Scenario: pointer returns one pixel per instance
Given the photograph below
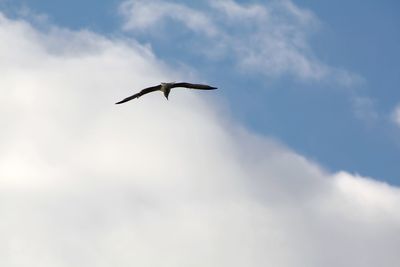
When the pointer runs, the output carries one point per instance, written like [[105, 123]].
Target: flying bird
[[166, 89]]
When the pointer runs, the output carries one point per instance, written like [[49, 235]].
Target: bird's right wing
[[143, 92], [194, 86]]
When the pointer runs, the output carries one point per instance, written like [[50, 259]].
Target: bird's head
[[166, 83]]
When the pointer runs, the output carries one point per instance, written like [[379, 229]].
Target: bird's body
[[166, 89]]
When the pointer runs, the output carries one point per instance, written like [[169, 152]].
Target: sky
[[293, 161]]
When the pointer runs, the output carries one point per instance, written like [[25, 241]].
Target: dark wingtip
[[122, 101]]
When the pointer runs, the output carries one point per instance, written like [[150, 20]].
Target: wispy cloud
[[396, 115], [365, 110], [271, 39], [141, 15], [154, 183]]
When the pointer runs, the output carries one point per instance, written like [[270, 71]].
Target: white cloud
[[160, 183], [271, 39]]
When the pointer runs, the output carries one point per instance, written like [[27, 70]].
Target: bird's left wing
[[143, 92], [194, 86]]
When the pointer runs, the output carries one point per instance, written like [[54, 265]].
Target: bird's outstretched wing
[[194, 86], [143, 92]]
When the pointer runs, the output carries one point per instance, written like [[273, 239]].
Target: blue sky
[[304, 128], [317, 119]]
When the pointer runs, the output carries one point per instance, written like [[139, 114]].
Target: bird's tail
[[166, 93]]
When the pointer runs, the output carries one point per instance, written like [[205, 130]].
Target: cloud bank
[[271, 39], [160, 183]]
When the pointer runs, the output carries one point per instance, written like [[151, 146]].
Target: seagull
[[166, 89]]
